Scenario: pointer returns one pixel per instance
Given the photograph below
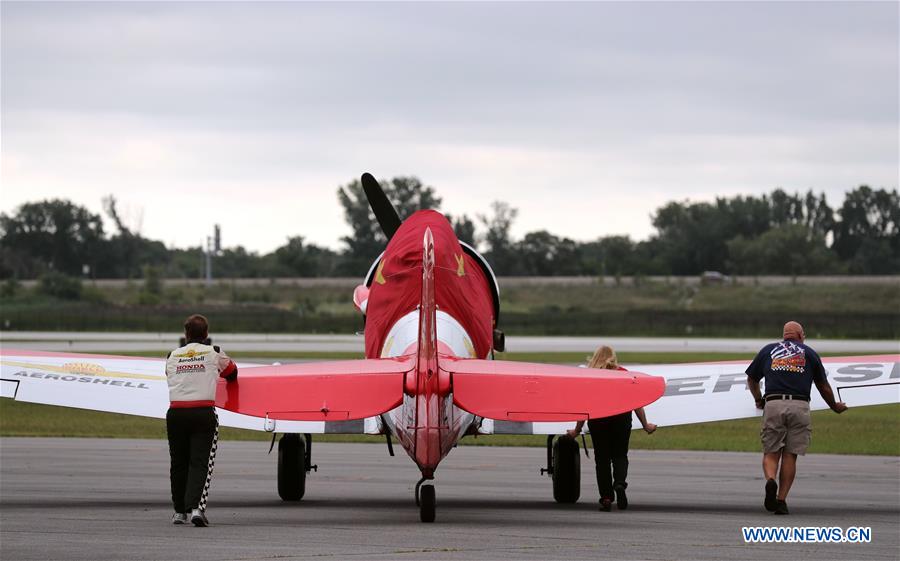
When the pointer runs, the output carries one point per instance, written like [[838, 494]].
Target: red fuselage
[[428, 299]]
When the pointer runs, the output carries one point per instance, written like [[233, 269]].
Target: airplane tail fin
[[428, 345]]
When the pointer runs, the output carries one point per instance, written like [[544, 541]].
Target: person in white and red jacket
[[191, 422]]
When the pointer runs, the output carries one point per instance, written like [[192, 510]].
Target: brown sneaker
[[606, 504]]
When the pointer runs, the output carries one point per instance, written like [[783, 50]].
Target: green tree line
[[777, 233]]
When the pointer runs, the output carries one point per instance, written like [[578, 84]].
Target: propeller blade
[[384, 211]]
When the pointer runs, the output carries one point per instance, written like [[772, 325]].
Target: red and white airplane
[[431, 305]]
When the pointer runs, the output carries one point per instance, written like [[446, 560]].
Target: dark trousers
[[193, 436], [610, 436]]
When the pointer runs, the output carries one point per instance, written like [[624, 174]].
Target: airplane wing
[[717, 391], [137, 386], [523, 391], [696, 393]]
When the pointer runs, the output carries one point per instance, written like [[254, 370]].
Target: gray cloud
[[564, 109]]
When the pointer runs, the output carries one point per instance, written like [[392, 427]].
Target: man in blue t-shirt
[[790, 369]]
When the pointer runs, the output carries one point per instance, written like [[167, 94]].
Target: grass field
[[867, 430], [672, 307], [673, 294]]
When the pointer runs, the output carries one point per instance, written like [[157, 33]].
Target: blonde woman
[[610, 436]]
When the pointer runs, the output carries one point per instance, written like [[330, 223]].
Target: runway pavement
[[86, 342], [95, 499]]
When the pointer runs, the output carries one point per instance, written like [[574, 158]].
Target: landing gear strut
[[425, 500]]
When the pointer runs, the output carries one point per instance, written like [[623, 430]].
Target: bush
[[9, 288], [94, 295], [60, 286], [152, 281], [148, 298]]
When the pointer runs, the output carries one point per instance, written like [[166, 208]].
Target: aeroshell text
[[83, 379]]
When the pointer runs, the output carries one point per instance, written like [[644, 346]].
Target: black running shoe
[[605, 504], [771, 502], [621, 497], [781, 508]]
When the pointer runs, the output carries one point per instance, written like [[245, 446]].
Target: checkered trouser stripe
[[209, 467]]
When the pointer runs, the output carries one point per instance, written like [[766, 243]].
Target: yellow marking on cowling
[[66, 369], [387, 347], [460, 265], [379, 278], [469, 347]]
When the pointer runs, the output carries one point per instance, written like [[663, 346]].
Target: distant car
[[714, 277]]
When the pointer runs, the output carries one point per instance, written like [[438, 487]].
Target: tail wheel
[[427, 503], [566, 470], [291, 467]]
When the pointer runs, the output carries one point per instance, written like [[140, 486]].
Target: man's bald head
[[793, 330]]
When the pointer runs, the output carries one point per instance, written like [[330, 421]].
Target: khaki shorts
[[786, 424]]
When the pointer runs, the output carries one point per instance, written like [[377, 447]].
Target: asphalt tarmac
[[96, 499]]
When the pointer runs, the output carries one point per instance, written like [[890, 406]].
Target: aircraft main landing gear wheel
[[566, 472], [292, 461], [426, 503]]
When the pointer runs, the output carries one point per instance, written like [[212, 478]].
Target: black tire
[[566, 470], [291, 467], [427, 503]]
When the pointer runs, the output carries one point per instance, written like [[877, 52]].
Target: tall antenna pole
[[213, 247], [209, 251]]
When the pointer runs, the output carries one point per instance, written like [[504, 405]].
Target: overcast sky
[[584, 116]]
